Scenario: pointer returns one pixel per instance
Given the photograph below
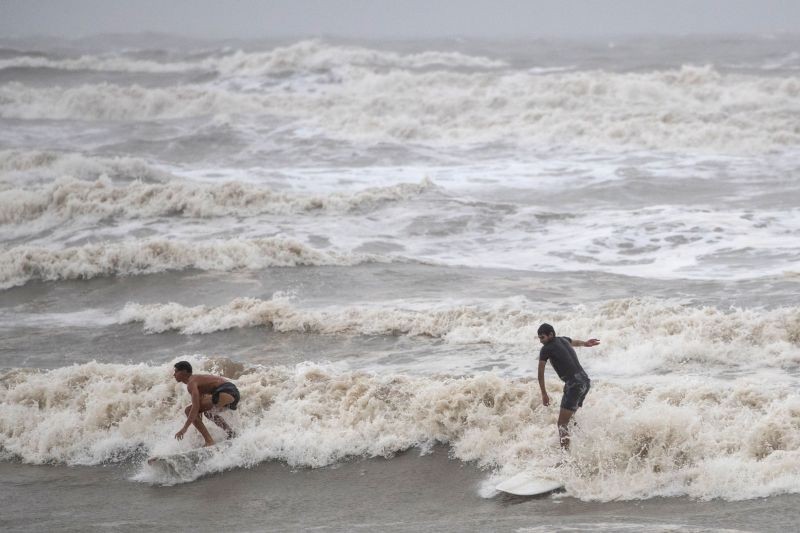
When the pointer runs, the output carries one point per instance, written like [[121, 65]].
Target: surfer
[[565, 362], [210, 394]]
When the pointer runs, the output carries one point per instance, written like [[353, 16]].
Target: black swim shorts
[[228, 388], [575, 391]]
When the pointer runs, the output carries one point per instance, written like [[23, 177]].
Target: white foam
[[661, 241], [701, 438], [26, 166], [461, 324], [108, 63], [315, 55], [18, 265], [113, 102], [641, 337], [691, 108], [459, 221], [67, 198], [308, 55]]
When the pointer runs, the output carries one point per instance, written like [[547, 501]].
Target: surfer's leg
[[205, 405], [564, 416], [574, 393], [568, 407], [198, 423], [223, 399], [219, 421]]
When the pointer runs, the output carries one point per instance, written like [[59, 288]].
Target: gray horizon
[[404, 19]]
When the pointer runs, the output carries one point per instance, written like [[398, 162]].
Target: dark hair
[[546, 329], [184, 365]]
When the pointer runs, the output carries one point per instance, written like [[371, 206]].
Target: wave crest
[[303, 56], [46, 165], [640, 336], [687, 108], [733, 440], [67, 198], [25, 263]]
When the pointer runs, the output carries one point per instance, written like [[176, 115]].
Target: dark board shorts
[[228, 388], [575, 391]]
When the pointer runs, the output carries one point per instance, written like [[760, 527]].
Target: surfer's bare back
[[565, 362], [210, 394]]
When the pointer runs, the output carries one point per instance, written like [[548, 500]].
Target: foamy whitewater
[[365, 237]]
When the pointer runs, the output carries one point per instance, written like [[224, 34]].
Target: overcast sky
[[396, 19]]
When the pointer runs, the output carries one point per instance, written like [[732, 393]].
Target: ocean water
[[365, 236]]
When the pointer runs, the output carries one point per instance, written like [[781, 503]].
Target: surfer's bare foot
[[208, 443]]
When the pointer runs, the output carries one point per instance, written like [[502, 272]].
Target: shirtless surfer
[[565, 362], [210, 394]]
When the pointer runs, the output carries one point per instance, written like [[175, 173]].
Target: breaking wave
[[113, 102], [25, 263], [702, 438], [695, 108], [67, 198], [47, 164], [640, 336], [309, 55]]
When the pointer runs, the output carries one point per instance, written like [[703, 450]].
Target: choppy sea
[[365, 236]]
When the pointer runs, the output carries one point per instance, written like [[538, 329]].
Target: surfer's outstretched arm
[[588, 344]]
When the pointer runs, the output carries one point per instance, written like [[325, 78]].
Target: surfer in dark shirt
[[210, 394], [558, 350]]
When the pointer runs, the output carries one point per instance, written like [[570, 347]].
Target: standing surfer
[[565, 362]]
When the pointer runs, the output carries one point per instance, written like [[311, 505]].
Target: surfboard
[[529, 484], [179, 463]]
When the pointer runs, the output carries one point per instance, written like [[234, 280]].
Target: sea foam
[[67, 198], [21, 264], [700, 437], [691, 108], [640, 336], [44, 166], [307, 55]]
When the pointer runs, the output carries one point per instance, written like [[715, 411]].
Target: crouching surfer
[[559, 351], [210, 394]]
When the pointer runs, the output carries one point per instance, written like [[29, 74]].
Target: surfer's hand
[[591, 342], [545, 399], [179, 435]]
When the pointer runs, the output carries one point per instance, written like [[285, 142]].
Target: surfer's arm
[[193, 412], [545, 397], [588, 344]]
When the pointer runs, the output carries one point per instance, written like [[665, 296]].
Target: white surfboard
[[180, 463], [529, 484]]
